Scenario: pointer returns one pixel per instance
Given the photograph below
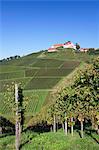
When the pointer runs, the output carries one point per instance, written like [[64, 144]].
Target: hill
[[37, 73]]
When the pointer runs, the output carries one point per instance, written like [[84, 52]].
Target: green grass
[[7, 143], [58, 141], [51, 141]]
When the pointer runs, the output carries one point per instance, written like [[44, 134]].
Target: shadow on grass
[[28, 135], [33, 131], [24, 143], [78, 131], [6, 134], [89, 133], [39, 128], [6, 127]]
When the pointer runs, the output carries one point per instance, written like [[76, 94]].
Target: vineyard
[[39, 75], [27, 68]]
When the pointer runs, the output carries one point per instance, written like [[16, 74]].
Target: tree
[[77, 46], [11, 57], [86, 89], [0, 125], [65, 124], [65, 108], [81, 99], [7, 59], [91, 51]]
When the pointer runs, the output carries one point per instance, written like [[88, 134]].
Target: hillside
[[37, 73]]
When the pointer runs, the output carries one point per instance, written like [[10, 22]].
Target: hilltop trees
[[77, 46], [10, 58]]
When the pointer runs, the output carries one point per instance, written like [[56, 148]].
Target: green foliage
[[77, 46], [93, 51], [81, 99]]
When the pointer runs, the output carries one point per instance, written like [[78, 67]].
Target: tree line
[[10, 58], [79, 102]]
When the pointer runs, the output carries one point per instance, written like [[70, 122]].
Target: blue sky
[[29, 26]]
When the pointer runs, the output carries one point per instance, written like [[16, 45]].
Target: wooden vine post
[[17, 134]]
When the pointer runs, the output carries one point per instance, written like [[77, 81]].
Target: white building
[[69, 45]]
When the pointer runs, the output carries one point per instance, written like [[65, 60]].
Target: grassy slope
[[52, 141], [38, 71], [36, 98]]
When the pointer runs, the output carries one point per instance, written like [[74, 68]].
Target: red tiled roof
[[51, 49], [67, 43], [58, 44], [84, 48]]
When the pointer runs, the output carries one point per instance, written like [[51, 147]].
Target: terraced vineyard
[[42, 83], [48, 63], [10, 75], [38, 73], [4, 84], [34, 100]]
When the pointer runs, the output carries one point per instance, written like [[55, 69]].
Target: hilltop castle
[[68, 44]]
